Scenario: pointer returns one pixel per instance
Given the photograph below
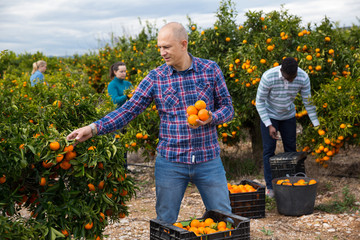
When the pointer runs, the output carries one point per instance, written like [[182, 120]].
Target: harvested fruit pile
[[202, 227], [241, 188], [300, 182]]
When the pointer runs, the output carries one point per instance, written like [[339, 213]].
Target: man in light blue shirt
[[275, 97]]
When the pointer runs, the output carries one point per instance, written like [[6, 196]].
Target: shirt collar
[[116, 78], [280, 75], [172, 70]]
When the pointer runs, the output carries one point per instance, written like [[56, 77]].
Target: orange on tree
[[42, 181], [123, 192], [100, 165], [321, 132], [102, 217], [65, 232], [69, 148], [101, 184], [91, 148], [91, 187], [3, 179], [89, 225], [54, 146], [59, 158], [65, 165], [139, 135], [70, 155], [47, 164]]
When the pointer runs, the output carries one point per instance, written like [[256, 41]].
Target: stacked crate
[[249, 204]]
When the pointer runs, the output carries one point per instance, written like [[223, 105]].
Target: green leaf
[[55, 233]]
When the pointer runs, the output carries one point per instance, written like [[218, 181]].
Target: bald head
[[173, 43], [176, 30]]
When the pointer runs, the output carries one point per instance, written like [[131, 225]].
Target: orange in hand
[[203, 115], [200, 104], [192, 119], [191, 110]]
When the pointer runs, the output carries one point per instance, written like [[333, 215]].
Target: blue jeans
[[171, 180], [287, 129]]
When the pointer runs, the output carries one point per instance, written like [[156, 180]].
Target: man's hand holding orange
[[198, 115]]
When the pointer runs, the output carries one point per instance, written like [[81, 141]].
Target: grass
[[346, 204], [270, 204], [267, 232], [235, 167]]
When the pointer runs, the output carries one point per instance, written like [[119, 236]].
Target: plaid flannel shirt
[[173, 92]]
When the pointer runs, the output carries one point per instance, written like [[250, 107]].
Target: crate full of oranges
[[247, 199], [213, 225]]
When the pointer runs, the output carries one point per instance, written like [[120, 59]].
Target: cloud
[[344, 12], [66, 27]]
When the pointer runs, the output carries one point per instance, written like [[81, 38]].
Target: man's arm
[[118, 118], [224, 110], [311, 109], [261, 97]]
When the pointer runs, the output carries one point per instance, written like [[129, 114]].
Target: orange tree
[[140, 54], [74, 192], [324, 51], [243, 52], [70, 191]]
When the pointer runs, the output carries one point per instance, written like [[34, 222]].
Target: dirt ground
[[318, 225]]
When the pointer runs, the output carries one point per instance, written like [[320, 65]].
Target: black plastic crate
[[249, 204], [287, 164], [165, 231]]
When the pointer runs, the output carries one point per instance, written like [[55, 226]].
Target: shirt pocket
[[170, 100], [204, 91]]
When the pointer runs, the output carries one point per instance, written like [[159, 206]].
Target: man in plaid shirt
[[185, 153]]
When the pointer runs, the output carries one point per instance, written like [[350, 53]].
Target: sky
[[68, 27]]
